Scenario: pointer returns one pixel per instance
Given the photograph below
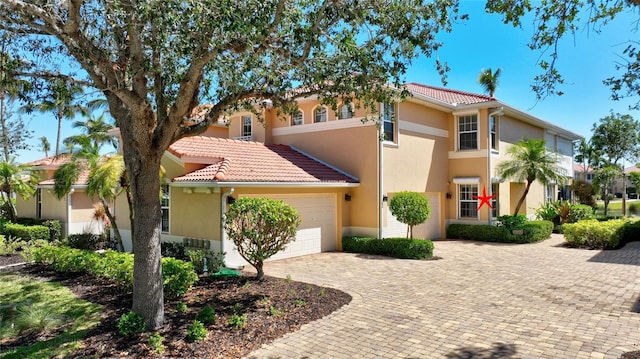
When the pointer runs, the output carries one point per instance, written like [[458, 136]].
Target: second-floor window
[[296, 118], [468, 132], [320, 114], [246, 126], [492, 130], [164, 206], [468, 204], [388, 121], [346, 111]]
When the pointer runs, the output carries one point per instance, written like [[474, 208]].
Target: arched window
[[346, 111], [297, 118], [320, 114]]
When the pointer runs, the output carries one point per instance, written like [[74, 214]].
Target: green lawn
[[615, 207], [30, 305]]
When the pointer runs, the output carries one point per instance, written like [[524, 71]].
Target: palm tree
[[106, 175], [489, 80], [587, 155], [94, 134], [46, 146], [18, 179], [530, 161], [59, 99]]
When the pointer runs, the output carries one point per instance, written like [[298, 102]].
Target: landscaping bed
[[273, 307]]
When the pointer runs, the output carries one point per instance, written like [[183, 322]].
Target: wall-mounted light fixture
[[230, 200], [347, 197], [449, 195], [385, 198]]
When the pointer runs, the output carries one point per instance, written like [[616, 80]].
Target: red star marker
[[485, 199]]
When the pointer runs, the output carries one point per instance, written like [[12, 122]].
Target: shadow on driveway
[[629, 254], [498, 350]]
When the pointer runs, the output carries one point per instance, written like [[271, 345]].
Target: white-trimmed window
[[247, 128], [320, 114], [346, 111], [39, 203], [468, 205], [297, 118], [468, 132], [493, 133], [388, 121], [550, 193], [164, 206]]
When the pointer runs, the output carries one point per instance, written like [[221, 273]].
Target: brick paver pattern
[[480, 300]]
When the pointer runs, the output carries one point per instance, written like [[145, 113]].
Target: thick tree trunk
[[524, 196], [148, 298]]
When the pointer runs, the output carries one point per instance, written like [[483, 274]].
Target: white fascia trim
[[467, 111], [466, 180], [325, 163], [440, 105], [264, 184], [50, 186], [422, 129], [322, 126]]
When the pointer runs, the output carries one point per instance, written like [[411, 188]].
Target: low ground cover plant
[[393, 247], [178, 275]]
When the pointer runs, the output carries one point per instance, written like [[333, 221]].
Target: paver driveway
[[479, 301]]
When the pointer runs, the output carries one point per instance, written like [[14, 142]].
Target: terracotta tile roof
[[82, 180], [53, 161], [579, 167], [452, 97], [244, 161]]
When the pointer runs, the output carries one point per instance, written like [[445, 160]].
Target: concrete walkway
[[479, 300]]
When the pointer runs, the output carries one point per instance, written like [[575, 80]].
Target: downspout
[[490, 179], [380, 177], [69, 210], [223, 216]]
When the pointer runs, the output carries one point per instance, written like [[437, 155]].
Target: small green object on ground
[[226, 273]]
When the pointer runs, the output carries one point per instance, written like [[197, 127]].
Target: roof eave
[[263, 184]]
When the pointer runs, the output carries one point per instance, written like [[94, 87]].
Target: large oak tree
[[155, 61]]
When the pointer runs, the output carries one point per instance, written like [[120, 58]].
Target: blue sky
[[485, 42]]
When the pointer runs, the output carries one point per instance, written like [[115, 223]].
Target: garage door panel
[[317, 231]]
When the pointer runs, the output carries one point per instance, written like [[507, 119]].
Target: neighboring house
[[75, 211], [580, 172], [332, 166], [618, 185]]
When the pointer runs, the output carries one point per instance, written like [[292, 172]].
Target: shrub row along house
[[333, 167]]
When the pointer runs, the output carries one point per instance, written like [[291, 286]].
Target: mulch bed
[[12, 259], [295, 304]]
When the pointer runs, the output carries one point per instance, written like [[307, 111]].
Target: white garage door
[[317, 232], [428, 230]]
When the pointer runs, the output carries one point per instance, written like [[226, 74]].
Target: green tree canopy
[[410, 208], [616, 137], [154, 65], [18, 179], [531, 161]]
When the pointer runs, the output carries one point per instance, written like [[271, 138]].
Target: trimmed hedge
[[26, 233], [54, 225], [178, 276], [594, 234], [392, 247], [533, 231]]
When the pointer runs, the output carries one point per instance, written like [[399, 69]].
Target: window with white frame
[[550, 193], [297, 119], [468, 204], [247, 130], [493, 133], [388, 121], [320, 114], [468, 132], [39, 203], [346, 111], [164, 206]]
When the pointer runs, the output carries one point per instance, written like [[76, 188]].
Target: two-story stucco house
[[340, 171]]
